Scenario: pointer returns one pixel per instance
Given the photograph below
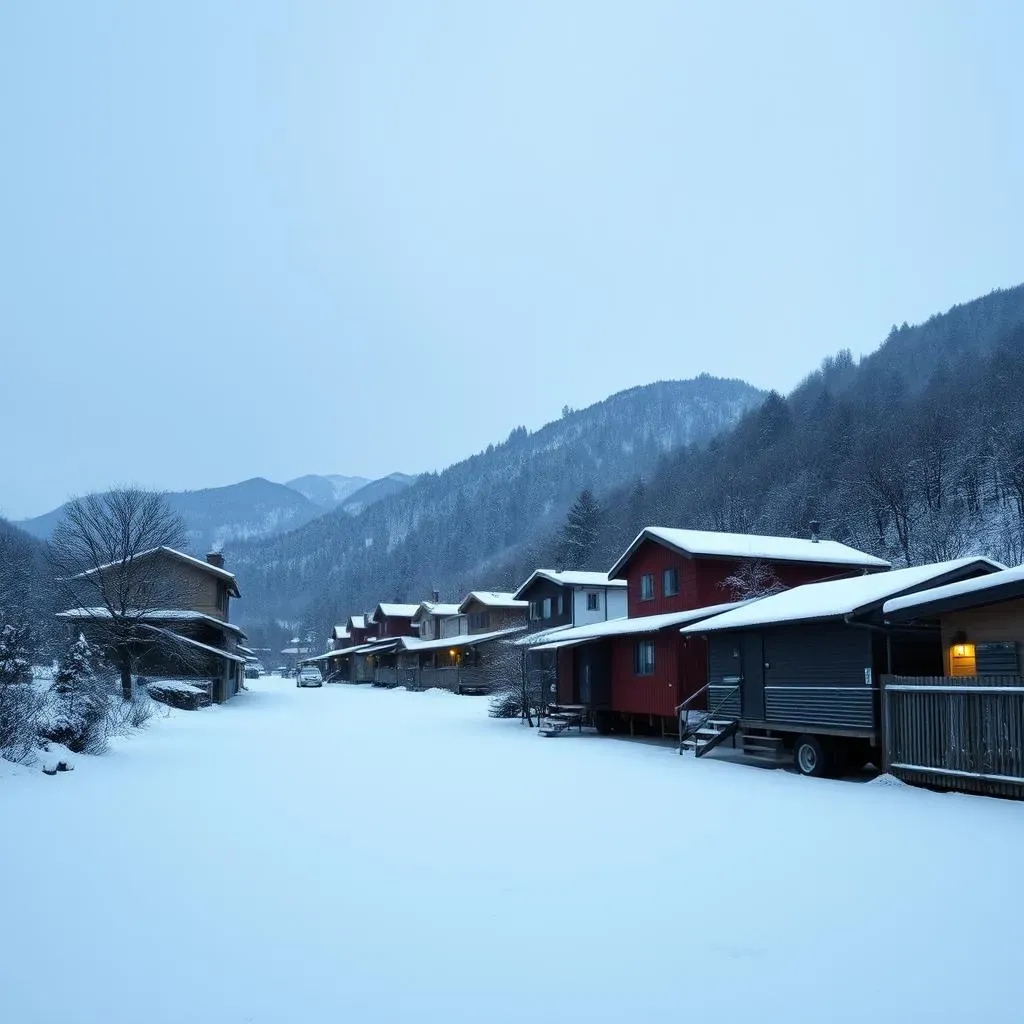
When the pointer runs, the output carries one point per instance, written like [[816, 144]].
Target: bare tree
[[516, 692], [752, 578], [101, 554]]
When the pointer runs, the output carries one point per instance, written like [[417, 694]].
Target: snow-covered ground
[[350, 854]]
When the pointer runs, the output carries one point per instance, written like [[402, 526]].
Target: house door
[[752, 681], [583, 688]]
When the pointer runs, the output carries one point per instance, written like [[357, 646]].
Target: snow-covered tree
[[96, 553], [19, 700], [581, 531], [77, 700], [15, 666]]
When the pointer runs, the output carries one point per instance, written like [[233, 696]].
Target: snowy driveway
[[352, 854]]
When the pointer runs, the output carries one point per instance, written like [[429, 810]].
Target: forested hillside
[[916, 453], [448, 528]]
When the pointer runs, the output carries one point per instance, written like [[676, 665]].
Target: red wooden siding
[[710, 572], [656, 558], [398, 625]]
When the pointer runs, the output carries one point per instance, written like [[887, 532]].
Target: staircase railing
[[683, 711]]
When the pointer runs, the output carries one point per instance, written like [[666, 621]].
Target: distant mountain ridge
[[328, 491], [249, 510], [444, 528]]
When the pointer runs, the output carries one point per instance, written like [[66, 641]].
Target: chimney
[[215, 558], [815, 527], [435, 596]]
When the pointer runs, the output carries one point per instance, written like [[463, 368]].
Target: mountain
[[376, 491], [327, 492], [216, 515], [914, 453], [444, 529]]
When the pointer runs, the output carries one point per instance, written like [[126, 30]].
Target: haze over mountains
[[256, 508]]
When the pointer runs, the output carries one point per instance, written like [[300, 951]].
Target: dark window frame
[[643, 658], [647, 586], [670, 589]]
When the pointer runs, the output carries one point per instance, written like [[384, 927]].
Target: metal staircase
[[702, 731]]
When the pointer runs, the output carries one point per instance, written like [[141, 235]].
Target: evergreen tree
[[77, 705], [15, 665], [581, 531]]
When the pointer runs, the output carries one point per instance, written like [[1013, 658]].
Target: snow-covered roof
[[492, 599], [198, 563], [296, 650], [997, 586], [339, 633], [153, 615], [380, 645], [357, 622], [189, 642], [435, 608], [836, 598], [414, 644], [398, 611], [572, 578], [710, 544], [564, 636]]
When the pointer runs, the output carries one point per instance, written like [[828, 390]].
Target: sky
[[274, 238]]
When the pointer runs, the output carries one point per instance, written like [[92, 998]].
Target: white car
[[309, 677]]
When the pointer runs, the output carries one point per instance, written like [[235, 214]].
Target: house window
[[643, 658], [561, 605], [222, 596], [670, 582], [647, 586], [479, 620], [535, 610], [593, 602], [547, 607]]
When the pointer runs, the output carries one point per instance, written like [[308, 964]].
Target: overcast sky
[[279, 238]]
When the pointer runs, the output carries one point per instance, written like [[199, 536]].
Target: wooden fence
[[964, 733]]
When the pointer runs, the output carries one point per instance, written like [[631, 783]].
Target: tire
[[812, 757]]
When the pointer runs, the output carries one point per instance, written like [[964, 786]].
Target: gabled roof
[[435, 608], [339, 633], [709, 544], [414, 644], [492, 599], [395, 611], [1005, 585], [835, 599], [197, 563], [357, 622], [565, 636], [571, 578], [153, 615], [187, 641]]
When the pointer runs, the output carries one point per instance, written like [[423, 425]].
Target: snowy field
[[353, 854]]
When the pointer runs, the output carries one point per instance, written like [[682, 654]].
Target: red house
[[632, 673], [395, 620]]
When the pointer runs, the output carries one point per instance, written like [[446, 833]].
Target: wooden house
[[632, 673], [185, 631], [429, 617], [564, 599], [557, 597], [394, 620], [964, 728], [801, 670], [980, 620], [487, 611]]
